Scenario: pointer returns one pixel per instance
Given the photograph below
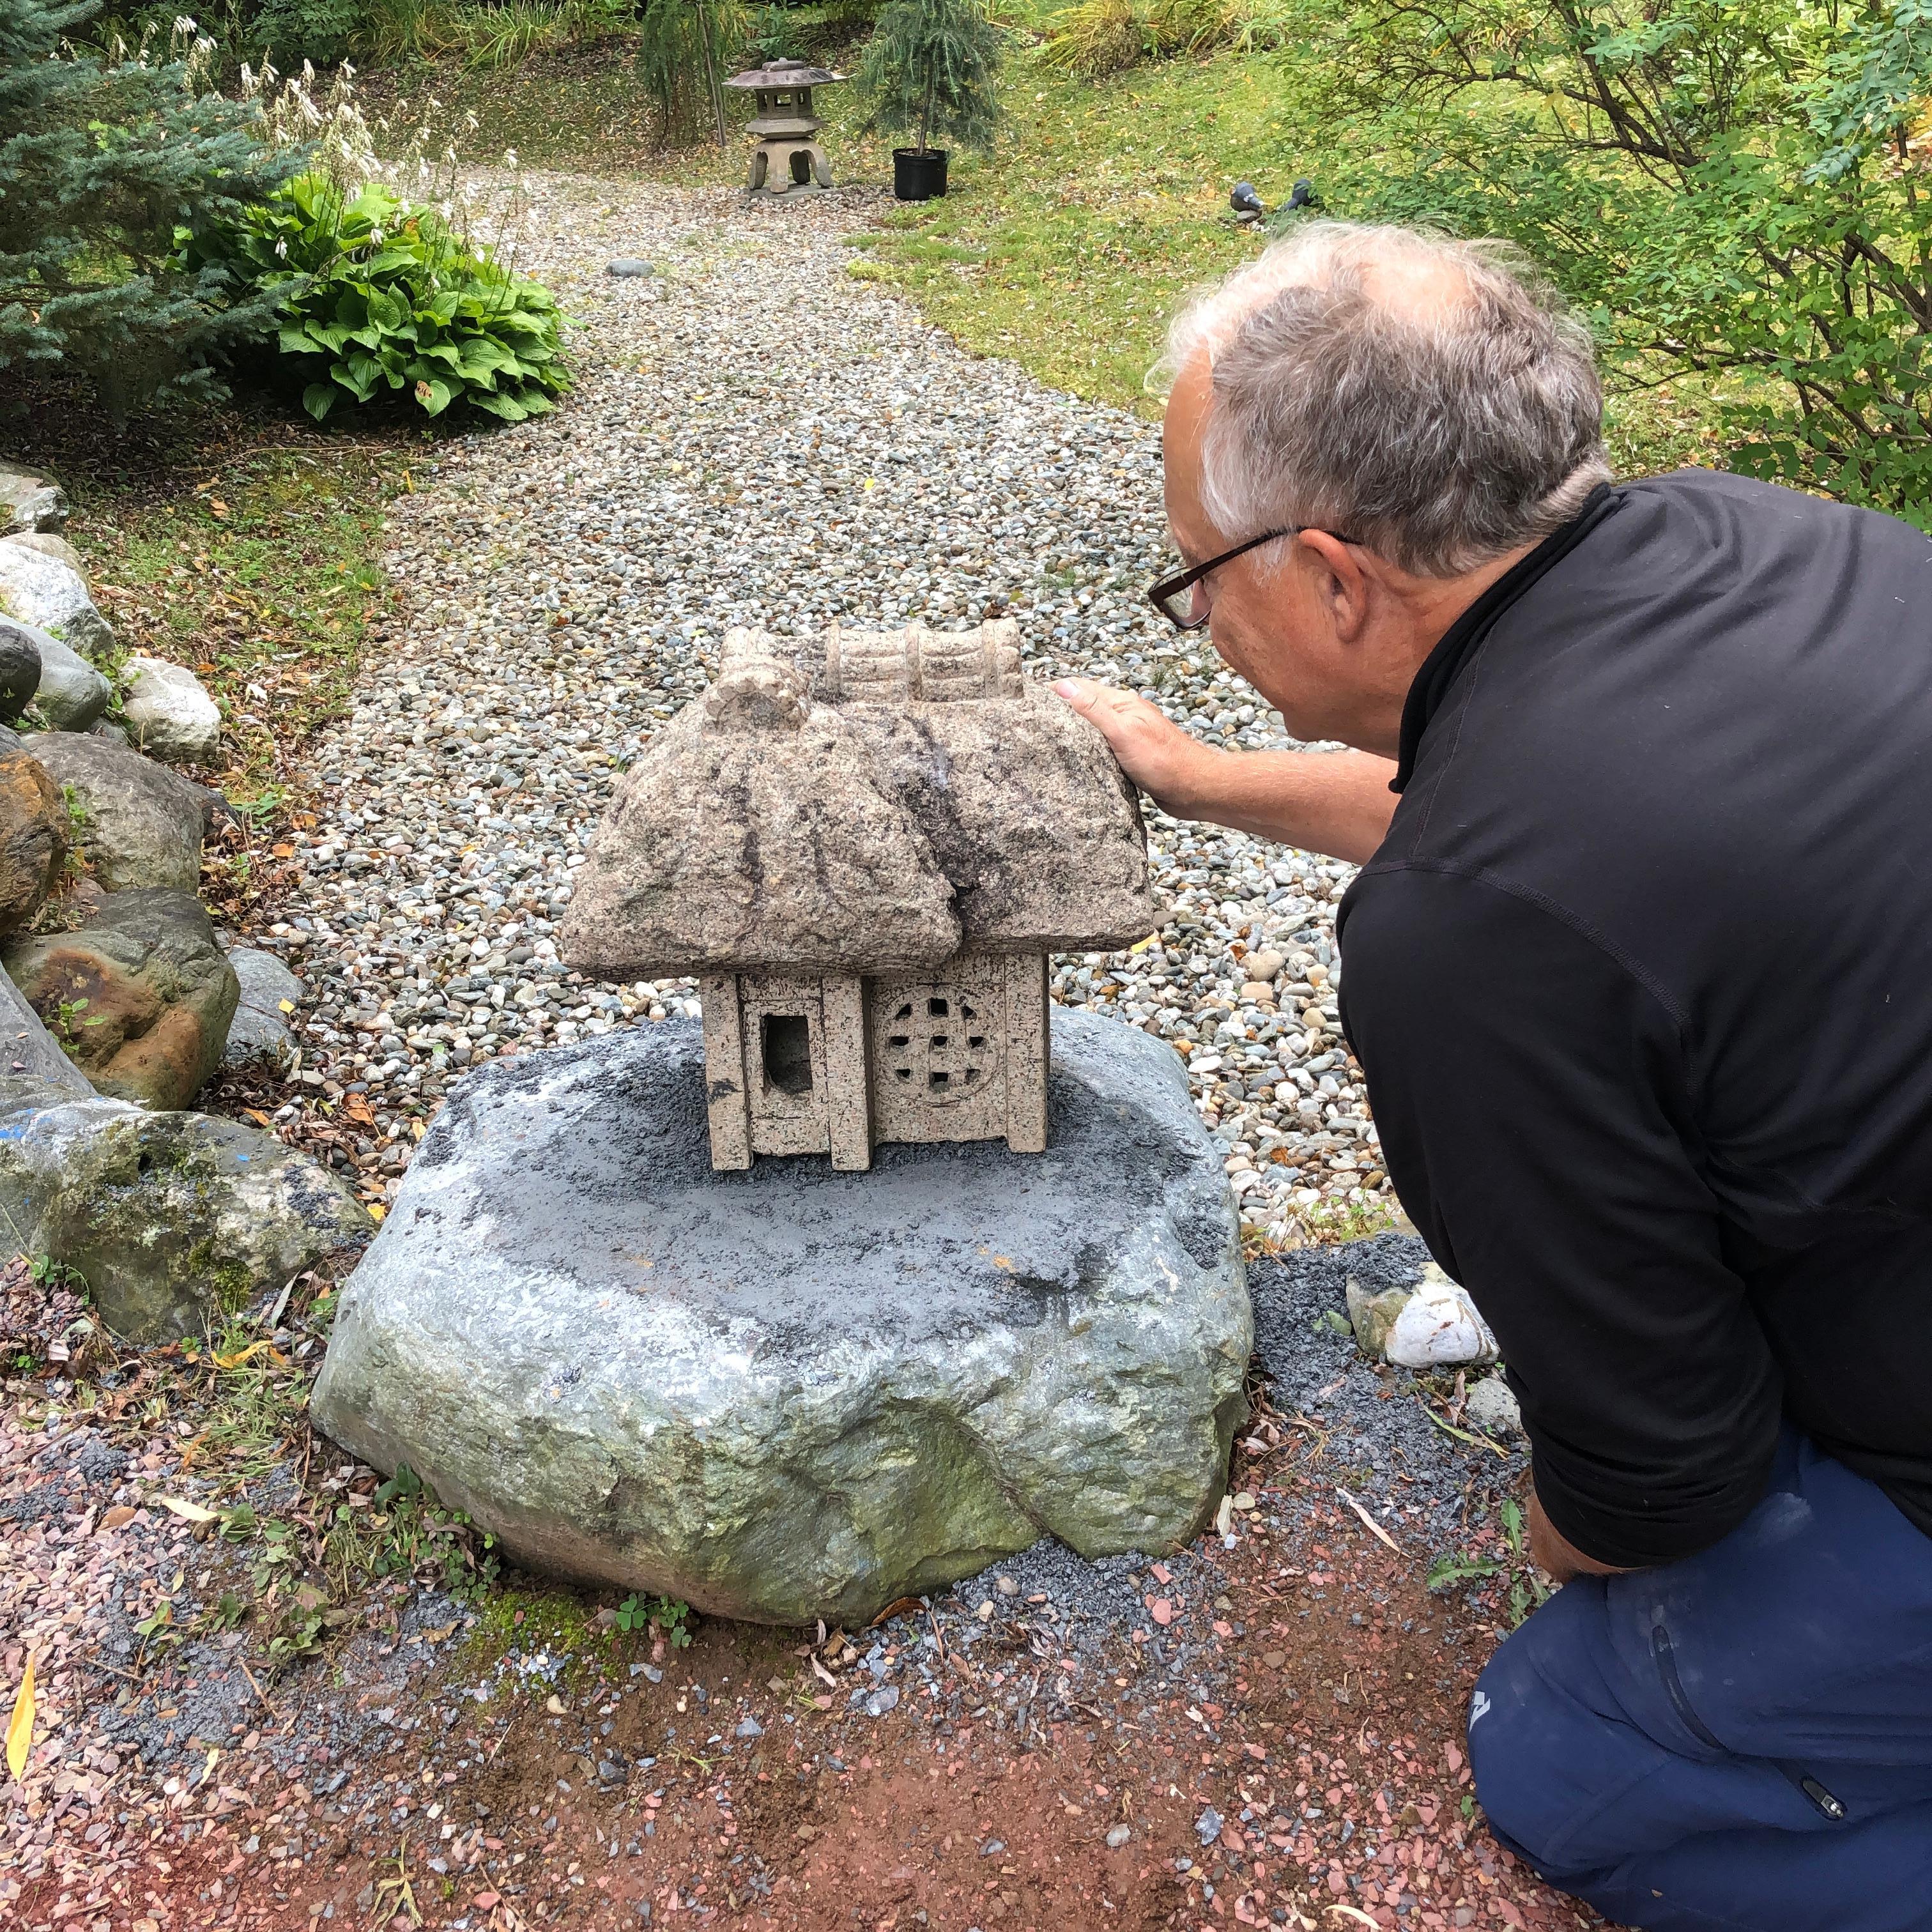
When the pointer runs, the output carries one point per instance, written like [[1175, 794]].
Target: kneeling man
[[1639, 966]]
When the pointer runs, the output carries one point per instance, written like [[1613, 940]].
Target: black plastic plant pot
[[917, 176]]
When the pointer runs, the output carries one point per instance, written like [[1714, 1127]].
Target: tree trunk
[[711, 72]]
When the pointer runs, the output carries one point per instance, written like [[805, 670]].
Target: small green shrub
[[377, 295]]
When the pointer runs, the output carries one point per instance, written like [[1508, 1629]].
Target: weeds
[[1525, 1591], [671, 1618]]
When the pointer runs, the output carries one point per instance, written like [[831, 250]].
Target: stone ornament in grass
[[141, 997], [168, 715], [1433, 1324], [50, 593], [137, 823]]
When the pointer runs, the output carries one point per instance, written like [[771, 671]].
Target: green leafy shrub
[[932, 69], [375, 296]]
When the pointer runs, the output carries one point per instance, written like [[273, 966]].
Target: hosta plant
[[377, 295]]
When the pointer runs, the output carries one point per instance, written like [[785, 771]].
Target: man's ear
[[1340, 581]]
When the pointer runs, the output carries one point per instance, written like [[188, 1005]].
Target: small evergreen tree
[[931, 68], [100, 161]]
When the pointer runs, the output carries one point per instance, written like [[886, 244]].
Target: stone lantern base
[[791, 1393]]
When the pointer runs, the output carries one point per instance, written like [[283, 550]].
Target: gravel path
[[759, 437]]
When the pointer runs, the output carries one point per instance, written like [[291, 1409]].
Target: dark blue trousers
[[1742, 1741]]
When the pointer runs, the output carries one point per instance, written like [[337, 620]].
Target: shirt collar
[[1464, 638]]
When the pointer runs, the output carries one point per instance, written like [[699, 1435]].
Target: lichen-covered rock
[[1432, 1324], [168, 715], [71, 695], [139, 824], [259, 1034], [141, 996], [791, 1392], [862, 803], [29, 501], [50, 594], [174, 1218]]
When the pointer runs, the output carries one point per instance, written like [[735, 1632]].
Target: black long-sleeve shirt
[[1641, 979]]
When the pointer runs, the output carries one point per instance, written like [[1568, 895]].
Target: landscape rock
[[141, 996], [29, 501], [628, 266], [259, 1034], [790, 1392], [20, 669], [33, 829], [50, 594], [1433, 1324], [139, 824], [1492, 1407], [34, 1071], [174, 1218], [49, 544], [71, 694], [168, 715]]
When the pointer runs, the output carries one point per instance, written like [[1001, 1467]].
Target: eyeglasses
[[1173, 596]]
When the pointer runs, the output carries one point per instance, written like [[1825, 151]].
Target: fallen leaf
[[376, 1213], [1350, 1912], [1369, 1520], [187, 1512], [114, 1518], [20, 1727], [240, 1355], [256, 1115]]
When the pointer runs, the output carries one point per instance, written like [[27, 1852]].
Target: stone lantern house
[[788, 158], [864, 845]]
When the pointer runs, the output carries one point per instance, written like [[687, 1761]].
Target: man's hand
[[1173, 768], [1550, 1551], [1338, 802]]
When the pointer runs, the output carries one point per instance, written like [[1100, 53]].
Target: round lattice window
[[939, 1045]]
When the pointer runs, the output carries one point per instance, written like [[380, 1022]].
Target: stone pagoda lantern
[[864, 845], [788, 158]]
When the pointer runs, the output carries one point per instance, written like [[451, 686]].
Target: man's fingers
[[1080, 692]]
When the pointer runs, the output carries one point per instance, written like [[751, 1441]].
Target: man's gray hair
[[1440, 435]]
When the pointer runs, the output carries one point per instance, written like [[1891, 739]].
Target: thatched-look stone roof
[[862, 802]]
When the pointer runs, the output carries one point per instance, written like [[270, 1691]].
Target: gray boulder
[[139, 824], [1492, 1407], [790, 1392], [50, 594], [71, 694], [20, 669], [168, 715], [29, 501], [259, 1034], [174, 1218], [140, 996], [34, 1071]]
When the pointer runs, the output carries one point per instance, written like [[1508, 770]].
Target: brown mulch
[[1330, 1761]]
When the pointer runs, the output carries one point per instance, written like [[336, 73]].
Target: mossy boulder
[[141, 996], [174, 1218], [794, 1392]]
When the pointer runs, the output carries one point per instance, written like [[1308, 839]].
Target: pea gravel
[[758, 437]]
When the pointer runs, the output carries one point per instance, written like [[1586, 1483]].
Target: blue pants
[[1740, 1742]]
